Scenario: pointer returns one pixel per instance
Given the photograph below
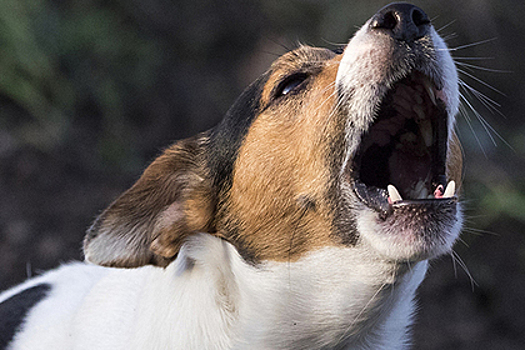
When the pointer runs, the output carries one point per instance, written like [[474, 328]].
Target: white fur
[[209, 298]]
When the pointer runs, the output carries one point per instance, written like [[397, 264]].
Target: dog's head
[[353, 149]]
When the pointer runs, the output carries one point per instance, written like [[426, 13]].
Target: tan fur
[[281, 176], [455, 161], [170, 201]]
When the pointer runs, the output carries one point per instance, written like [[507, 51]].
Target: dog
[[304, 220]]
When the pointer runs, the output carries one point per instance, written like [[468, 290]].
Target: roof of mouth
[[406, 144]]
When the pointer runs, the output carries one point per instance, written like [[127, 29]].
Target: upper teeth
[[430, 91], [426, 132]]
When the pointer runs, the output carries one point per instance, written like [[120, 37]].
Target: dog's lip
[[414, 109]]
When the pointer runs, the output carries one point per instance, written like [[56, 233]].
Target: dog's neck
[[229, 304]]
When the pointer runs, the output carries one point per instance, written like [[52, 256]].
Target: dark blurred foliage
[[91, 91]]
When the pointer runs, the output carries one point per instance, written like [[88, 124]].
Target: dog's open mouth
[[402, 158]]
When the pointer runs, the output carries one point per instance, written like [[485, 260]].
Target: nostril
[[389, 21], [420, 18]]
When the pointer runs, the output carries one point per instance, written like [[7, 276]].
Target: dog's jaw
[[372, 67]]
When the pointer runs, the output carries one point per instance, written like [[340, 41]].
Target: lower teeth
[[422, 192]]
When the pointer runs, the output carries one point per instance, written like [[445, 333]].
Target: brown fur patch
[[278, 200], [455, 161], [171, 200]]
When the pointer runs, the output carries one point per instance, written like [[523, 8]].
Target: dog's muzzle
[[401, 162]]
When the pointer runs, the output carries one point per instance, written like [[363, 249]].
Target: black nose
[[403, 21]]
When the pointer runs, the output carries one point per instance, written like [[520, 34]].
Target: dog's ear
[[148, 223]]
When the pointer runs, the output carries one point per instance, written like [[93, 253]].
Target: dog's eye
[[339, 50], [290, 84]]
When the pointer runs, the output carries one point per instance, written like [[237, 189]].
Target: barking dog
[[304, 220]]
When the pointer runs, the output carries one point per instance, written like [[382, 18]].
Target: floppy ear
[[148, 223]]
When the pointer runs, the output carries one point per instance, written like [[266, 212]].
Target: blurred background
[[91, 91]]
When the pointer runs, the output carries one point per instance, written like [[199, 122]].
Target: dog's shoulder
[[14, 309], [20, 305]]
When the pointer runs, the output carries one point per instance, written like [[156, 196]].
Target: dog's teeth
[[426, 132], [420, 190], [393, 194], [430, 91], [419, 111], [450, 190]]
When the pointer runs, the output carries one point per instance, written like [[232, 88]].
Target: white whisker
[[455, 256], [482, 121], [450, 37], [475, 58], [462, 241], [446, 25], [473, 66], [488, 102], [471, 45], [481, 81], [465, 114], [479, 232]]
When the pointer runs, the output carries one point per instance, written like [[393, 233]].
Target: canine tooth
[[430, 91], [426, 132], [450, 190], [419, 111], [432, 96], [420, 190], [403, 106], [393, 194]]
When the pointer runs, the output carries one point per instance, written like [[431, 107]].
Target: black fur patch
[[225, 141], [14, 310], [227, 137]]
